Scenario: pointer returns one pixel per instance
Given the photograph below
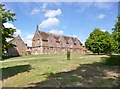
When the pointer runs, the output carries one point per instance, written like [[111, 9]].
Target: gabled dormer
[[36, 41], [51, 40], [62, 41], [71, 42]]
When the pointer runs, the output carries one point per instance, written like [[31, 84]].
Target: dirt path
[[22, 59]]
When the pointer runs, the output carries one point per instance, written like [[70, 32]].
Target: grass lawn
[[55, 71]]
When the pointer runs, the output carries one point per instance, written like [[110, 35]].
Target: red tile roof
[[44, 35], [66, 38]]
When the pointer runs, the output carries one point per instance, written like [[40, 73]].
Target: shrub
[[68, 55]]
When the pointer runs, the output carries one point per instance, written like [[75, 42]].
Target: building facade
[[20, 48], [46, 43]]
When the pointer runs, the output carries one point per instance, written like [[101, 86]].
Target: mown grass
[[32, 56], [30, 72]]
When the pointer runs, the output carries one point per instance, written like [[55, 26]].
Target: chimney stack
[[37, 27]]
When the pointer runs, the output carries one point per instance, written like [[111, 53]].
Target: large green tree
[[6, 16], [100, 42], [116, 34]]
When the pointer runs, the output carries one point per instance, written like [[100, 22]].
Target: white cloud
[[103, 30], [30, 36], [8, 39], [53, 13], [18, 32], [58, 32], [96, 4], [8, 25], [28, 39], [103, 5], [74, 36], [101, 16], [50, 22], [35, 11]]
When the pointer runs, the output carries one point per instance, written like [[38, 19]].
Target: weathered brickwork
[[46, 43], [19, 49]]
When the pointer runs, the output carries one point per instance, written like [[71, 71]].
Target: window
[[57, 41], [67, 42], [44, 40], [74, 43]]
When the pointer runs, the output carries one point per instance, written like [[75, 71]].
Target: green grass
[[53, 71]]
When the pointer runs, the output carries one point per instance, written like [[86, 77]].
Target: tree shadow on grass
[[113, 60], [86, 75], [14, 70], [95, 54]]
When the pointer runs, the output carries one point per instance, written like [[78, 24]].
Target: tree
[[5, 16], [100, 42], [68, 55], [116, 34]]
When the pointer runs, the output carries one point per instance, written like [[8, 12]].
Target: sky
[[76, 19]]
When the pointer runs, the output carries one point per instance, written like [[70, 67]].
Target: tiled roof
[[56, 37], [66, 38], [44, 35], [73, 38]]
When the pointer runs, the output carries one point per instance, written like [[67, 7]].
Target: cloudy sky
[[76, 19]]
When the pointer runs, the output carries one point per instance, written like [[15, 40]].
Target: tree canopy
[[116, 34], [6, 16], [100, 42]]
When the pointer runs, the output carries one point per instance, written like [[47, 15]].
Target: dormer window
[[57, 41], [74, 43], [67, 42], [44, 40]]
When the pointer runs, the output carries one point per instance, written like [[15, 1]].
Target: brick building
[[19, 49], [46, 43]]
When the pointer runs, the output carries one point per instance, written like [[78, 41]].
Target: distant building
[[46, 43], [19, 49]]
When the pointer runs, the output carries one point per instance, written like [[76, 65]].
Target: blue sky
[[76, 19]]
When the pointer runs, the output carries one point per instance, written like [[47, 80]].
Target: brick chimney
[[37, 27]]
